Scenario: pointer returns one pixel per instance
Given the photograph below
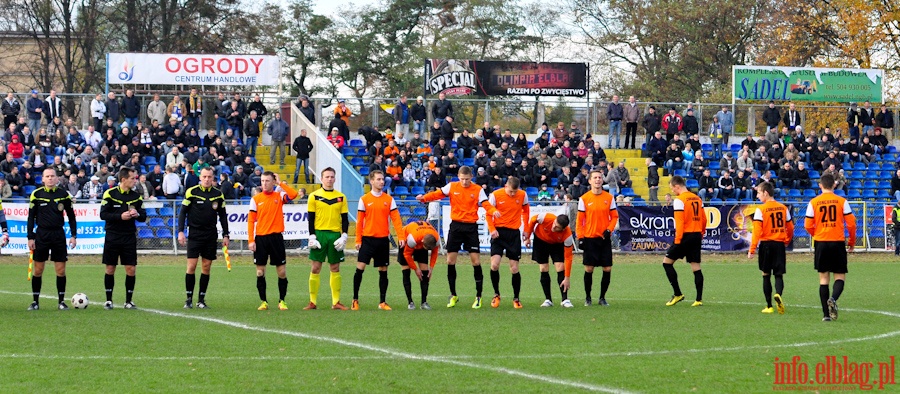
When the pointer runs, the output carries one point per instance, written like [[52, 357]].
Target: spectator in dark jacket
[[771, 116], [34, 107], [614, 113], [131, 108], [418, 114], [446, 130], [656, 147], [307, 109], [10, 109], [652, 123], [442, 108], [885, 120], [691, 127], [113, 108], [341, 125]]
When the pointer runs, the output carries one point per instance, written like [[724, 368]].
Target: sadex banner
[[652, 228], [192, 69], [498, 78], [807, 84]]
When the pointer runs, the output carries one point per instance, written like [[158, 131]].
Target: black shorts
[[509, 241], [689, 249], [270, 248], [463, 236], [378, 249], [120, 253], [420, 256], [202, 248], [772, 259], [597, 252], [50, 245], [545, 253], [831, 256]]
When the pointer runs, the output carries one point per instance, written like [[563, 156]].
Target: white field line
[[383, 350]]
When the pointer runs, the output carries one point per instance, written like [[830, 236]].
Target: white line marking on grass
[[386, 351]]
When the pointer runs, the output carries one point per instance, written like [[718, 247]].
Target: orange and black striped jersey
[[373, 212], [596, 214], [514, 210], [689, 215], [464, 201], [772, 221], [266, 213], [542, 227], [415, 232], [827, 216]]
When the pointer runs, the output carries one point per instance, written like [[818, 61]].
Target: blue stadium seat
[[530, 144], [794, 193], [735, 147], [172, 222], [876, 232], [150, 160], [889, 157], [38, 178], [404, 211], [870, 185], [348, 152], [420, 211], [858, 166], [855, 175], [151, 212], [357, 143], [554, 182], [145, 233], [166, 211], [693, 184], [453, 144], [714, 166], [356, 161], [715, 201], [888, 174], [888, 166], [364, 171], [532, 192], [877, 223], [468, 162], [813, 174], [454, 179], [873, 166], [891, 149], [164, 233], [855, 185], [401, 190], [809, 193], [156, 222], [681, 173], [868, 193], [731, 200], [417, 190], [28, 189], [627, 192], [706, 147], [854, 193], [140, 224], [873, 175], [840, 192]]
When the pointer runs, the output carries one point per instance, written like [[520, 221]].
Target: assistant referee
[[46, 208], [201, 206]]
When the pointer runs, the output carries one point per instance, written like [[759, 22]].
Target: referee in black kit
[[202, 205], [45, 210], [121, 208]]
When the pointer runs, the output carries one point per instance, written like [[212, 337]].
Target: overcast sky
[[329, 7]]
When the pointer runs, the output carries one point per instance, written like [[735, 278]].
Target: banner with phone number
[[91, 230]]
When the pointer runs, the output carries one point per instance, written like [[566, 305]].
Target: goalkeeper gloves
[[341, 242], [313, 243]]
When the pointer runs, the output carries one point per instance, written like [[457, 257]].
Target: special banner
[[498, 78], [652, 228], [807, 84]]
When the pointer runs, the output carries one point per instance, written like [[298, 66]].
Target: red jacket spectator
[[671, 123], [336, 140], [16, 148]]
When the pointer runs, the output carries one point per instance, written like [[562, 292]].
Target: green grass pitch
[[635, 345]]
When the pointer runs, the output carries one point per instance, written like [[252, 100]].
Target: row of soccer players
[[506, 208]]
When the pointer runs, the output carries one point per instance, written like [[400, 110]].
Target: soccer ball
[[80, 301]]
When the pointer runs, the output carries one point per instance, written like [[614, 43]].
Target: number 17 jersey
[[689, 215]]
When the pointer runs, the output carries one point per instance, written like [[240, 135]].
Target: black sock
[[516, 284], [357, 281], [823, 296], [451, 278], [383, 284], [36, 288], [189, 281], [673, 279], [407, 285], [129, 287], [261, 287], [204, 283], [779, 284], [588, 283], [767, 290], [545, 284], [109, 281], [424, 285], [838, 289], [604, 283], [61, 287], [698, 282], [282, 288], [560, 277], [479, 280], [495, 281]]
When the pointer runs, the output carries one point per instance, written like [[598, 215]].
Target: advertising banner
[[192, 69], [498, 78], [484, 236], [652, 228], [807, 84], [296, 225], [889, 241], [91, 230]]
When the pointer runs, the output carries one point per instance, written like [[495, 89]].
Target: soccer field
[[635, 345]]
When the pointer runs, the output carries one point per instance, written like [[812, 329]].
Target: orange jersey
[[542, 228], [513, 210], [826, 217], [772, 221], [596, 214], [266, 213], [390, 152], [393, 170], [415, 233], [423, 150], [464, 201], [373, 214], [689, 215]]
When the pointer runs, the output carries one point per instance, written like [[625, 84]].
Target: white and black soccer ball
[[80, 301]]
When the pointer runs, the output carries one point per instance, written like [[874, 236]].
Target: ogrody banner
[[807, 84], [192, 69], [497, 78]]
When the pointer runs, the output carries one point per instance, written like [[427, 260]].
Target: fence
[[159, 233]]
